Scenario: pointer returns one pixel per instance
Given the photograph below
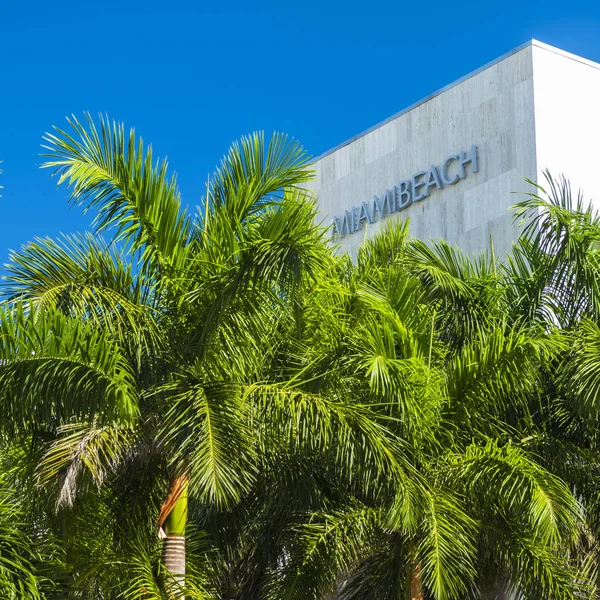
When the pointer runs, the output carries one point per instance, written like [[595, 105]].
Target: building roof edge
[[565, 54], [446, 88]]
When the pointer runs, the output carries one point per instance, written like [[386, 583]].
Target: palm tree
[[424, 338], [164, 314], [143, 365], [554, 280]]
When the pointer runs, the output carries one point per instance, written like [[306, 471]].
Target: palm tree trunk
[[173, 519], [415, 582]]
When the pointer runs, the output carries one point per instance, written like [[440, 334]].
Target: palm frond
[[497, 373], [520, 487], [86, 278], [114, 174], [96, 450], [54, 368], [447, 552], [251, 177], [324, 552], [280, 253], [18, 577], [560, 245], [205, 422], [579, 375]]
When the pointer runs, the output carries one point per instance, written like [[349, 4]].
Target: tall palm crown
[[129, 357]]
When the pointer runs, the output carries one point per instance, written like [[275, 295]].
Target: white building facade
[[454, 163]]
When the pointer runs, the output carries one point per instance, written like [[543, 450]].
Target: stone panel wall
[[493, 109]]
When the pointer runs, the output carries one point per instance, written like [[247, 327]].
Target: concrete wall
[[526, 111]]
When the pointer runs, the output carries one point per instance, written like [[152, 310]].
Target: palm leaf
[[54, 368], [86, 278], [115, 174]]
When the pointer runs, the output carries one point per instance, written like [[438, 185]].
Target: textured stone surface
[[511, 110]]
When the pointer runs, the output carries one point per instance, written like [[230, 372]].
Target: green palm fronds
[[417, 420]]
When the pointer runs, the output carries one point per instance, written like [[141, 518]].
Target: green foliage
[[114, 174], [55, 368], [346, 429], [17, 550]]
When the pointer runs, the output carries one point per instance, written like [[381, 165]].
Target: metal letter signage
[[401, 196]]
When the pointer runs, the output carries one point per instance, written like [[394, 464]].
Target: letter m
[[383, 204], [341, 225]]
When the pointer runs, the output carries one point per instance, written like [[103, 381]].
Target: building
[[452, 162]]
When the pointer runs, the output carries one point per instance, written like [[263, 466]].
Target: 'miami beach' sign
[[401, 196]]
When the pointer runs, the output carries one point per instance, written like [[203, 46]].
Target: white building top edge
[[585, 61], [532, 42]]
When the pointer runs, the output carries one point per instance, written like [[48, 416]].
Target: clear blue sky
[[193, 76]]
